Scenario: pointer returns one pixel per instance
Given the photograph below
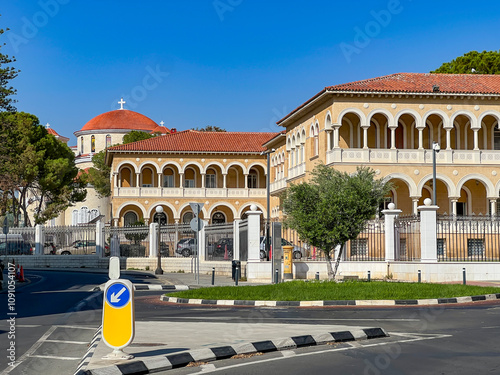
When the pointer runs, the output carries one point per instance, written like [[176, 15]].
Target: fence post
[[390, 239], [236, 239], [39, 239], [202, 242], [99, 239], [428, 227], [153, 240]]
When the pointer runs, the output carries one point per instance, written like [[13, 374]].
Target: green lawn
[[324, 290]]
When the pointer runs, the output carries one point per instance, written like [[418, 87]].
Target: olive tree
[[333, 207]]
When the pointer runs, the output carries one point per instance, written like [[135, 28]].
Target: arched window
[[147, 178], [168, 178], [211, 179], [218, 218], [108, 141], [496, 137], [83, 216], [130, 218], [92, 143], [94, 213], [253, 180], [189, 178], [74, 217], [187, 217], [316, 140]]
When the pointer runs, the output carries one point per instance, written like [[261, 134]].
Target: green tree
[[38, 171], [486, 62], [210, 128], [333, 208], [135, 136], [7, 73], [99, 175]]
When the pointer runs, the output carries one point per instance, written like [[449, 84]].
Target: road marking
[[28, 325], [436, 336], [288, 353], [76, 327], [69, 342], [287, 319], [56, 357], [31, 350], [207, 368]]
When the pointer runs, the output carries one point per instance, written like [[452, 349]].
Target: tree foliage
[[486, 62], [7, 73], [135, 136], [38, 172], [99, 175], [333, 207], [210, 128]]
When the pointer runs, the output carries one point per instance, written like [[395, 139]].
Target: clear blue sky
[[237, 64]]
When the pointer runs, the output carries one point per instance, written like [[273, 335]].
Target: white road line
[[31, 350], [57, 357], [75, 327], [207, 368], [327, 351], [69, 342], [28, 325], [298, 319], [288, 353]]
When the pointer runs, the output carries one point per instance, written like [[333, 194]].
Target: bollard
[[317, 275], [237, 275], [419, 276], [213, 275], [465, 280], [276, 275], [369, 276]]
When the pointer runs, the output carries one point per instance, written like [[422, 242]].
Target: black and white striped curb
[[182, 359], [150, 287], [397, 302], [82, 366]]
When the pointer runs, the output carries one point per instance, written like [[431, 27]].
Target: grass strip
[[327, 290]]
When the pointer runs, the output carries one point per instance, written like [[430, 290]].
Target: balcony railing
[[387, 156], [297, 171], [188, 192], [277, 185]]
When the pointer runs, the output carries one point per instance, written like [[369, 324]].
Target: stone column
[[246, 180], [415, 205], [202, 180], [224, 180], [153, 240], [39, 239], [493, 205], [476, 139], [328, 140], [256, 270], [448, 138], [137, 180], [336, 128], [365, 137], [99, 239], [428, 236], [393, 138], [236, 239], [202, 241], [454, 206], [159, 180], [420, 138], [390, 240]]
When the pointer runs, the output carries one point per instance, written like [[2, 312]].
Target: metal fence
[[369, 245], [468, 238], [243, 235], [407, 238], [219, 242], [19, 241]]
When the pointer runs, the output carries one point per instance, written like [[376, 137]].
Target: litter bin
[[236, 263]]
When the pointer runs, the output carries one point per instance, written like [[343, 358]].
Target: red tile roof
[[424, 83], [195, 141], [161, 130], [418, 83], [120, 119]]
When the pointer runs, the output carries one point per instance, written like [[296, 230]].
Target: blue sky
[[237, 64]]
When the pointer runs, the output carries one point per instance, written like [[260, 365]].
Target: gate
[[407, 238]]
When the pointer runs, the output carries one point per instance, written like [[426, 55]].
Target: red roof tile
[[424, 83], [419, 83], [195, 141], [120, 119], [161, 130]]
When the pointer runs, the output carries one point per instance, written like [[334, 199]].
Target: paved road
[[57, 316]]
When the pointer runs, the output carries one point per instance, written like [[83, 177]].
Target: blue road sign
[[118, 295]]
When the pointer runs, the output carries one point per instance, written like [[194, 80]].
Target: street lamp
[[268, 194], [435, 150], [159, 214]]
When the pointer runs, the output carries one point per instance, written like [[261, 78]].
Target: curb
[[397, 302], [182, 359], [149, 287]]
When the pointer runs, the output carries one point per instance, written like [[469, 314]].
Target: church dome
[[120, 119]]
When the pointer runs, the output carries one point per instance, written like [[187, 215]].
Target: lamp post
[[268, 194], [159, 212], [435, 150]]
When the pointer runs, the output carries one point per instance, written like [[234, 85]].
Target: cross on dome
[[162, 123], [121, 102], [47, 126]]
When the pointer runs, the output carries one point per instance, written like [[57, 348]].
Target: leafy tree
[[7, 73], [38, 172], [135, 136], [333, 207], [210, 128], [99, 175], [486, 62]]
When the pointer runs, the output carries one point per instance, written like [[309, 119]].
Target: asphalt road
[[58, 314]]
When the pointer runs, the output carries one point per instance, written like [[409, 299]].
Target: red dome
[[120, 119]]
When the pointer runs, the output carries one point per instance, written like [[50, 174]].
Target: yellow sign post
[[287, 262], [118, 317]]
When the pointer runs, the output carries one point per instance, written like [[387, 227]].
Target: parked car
[[223, 245], [298, 252], [16, 248], [186, 247], [81, 247]]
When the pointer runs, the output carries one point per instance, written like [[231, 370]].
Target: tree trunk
[[329, 267], [338, 262]]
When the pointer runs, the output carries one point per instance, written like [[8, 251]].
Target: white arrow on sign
[[116, 298]]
